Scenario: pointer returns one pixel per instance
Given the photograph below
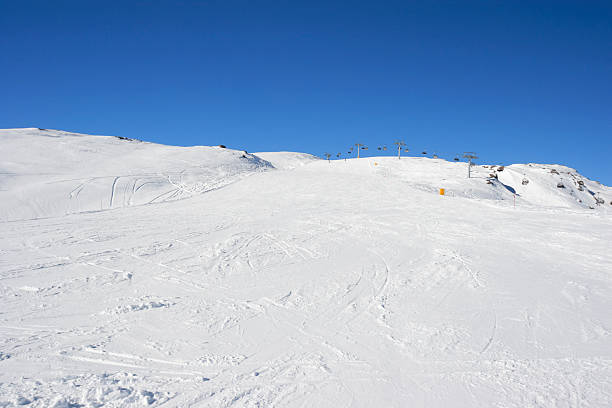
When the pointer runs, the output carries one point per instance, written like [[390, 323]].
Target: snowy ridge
[[287, 160], [531, 185], [556, 185], [50, 173], [322, 284]]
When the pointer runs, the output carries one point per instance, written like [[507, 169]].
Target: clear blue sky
[[515, 81]]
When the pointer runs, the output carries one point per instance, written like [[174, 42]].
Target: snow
[[544, 181], [287, 160], [298, 282], [49, 173]]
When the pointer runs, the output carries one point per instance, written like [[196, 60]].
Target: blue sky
[[514, 81]]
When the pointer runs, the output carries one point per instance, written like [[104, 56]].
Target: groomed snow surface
[[134, 274]]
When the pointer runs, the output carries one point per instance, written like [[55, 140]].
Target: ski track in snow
[[112, 194], [341, 284]]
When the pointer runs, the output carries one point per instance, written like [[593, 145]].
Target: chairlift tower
[[470, 156], [359, 147], [399, 144]]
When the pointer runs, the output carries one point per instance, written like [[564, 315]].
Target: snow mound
[[287, 160], [555, 186], [51, 173], [535, 185]]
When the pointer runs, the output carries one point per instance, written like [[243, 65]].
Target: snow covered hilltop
[[138, 274], [49, 173]]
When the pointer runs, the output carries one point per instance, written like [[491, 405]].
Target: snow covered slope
[[343, 284], [555, 185], [287, 160], [535, 185], [47, 173]]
